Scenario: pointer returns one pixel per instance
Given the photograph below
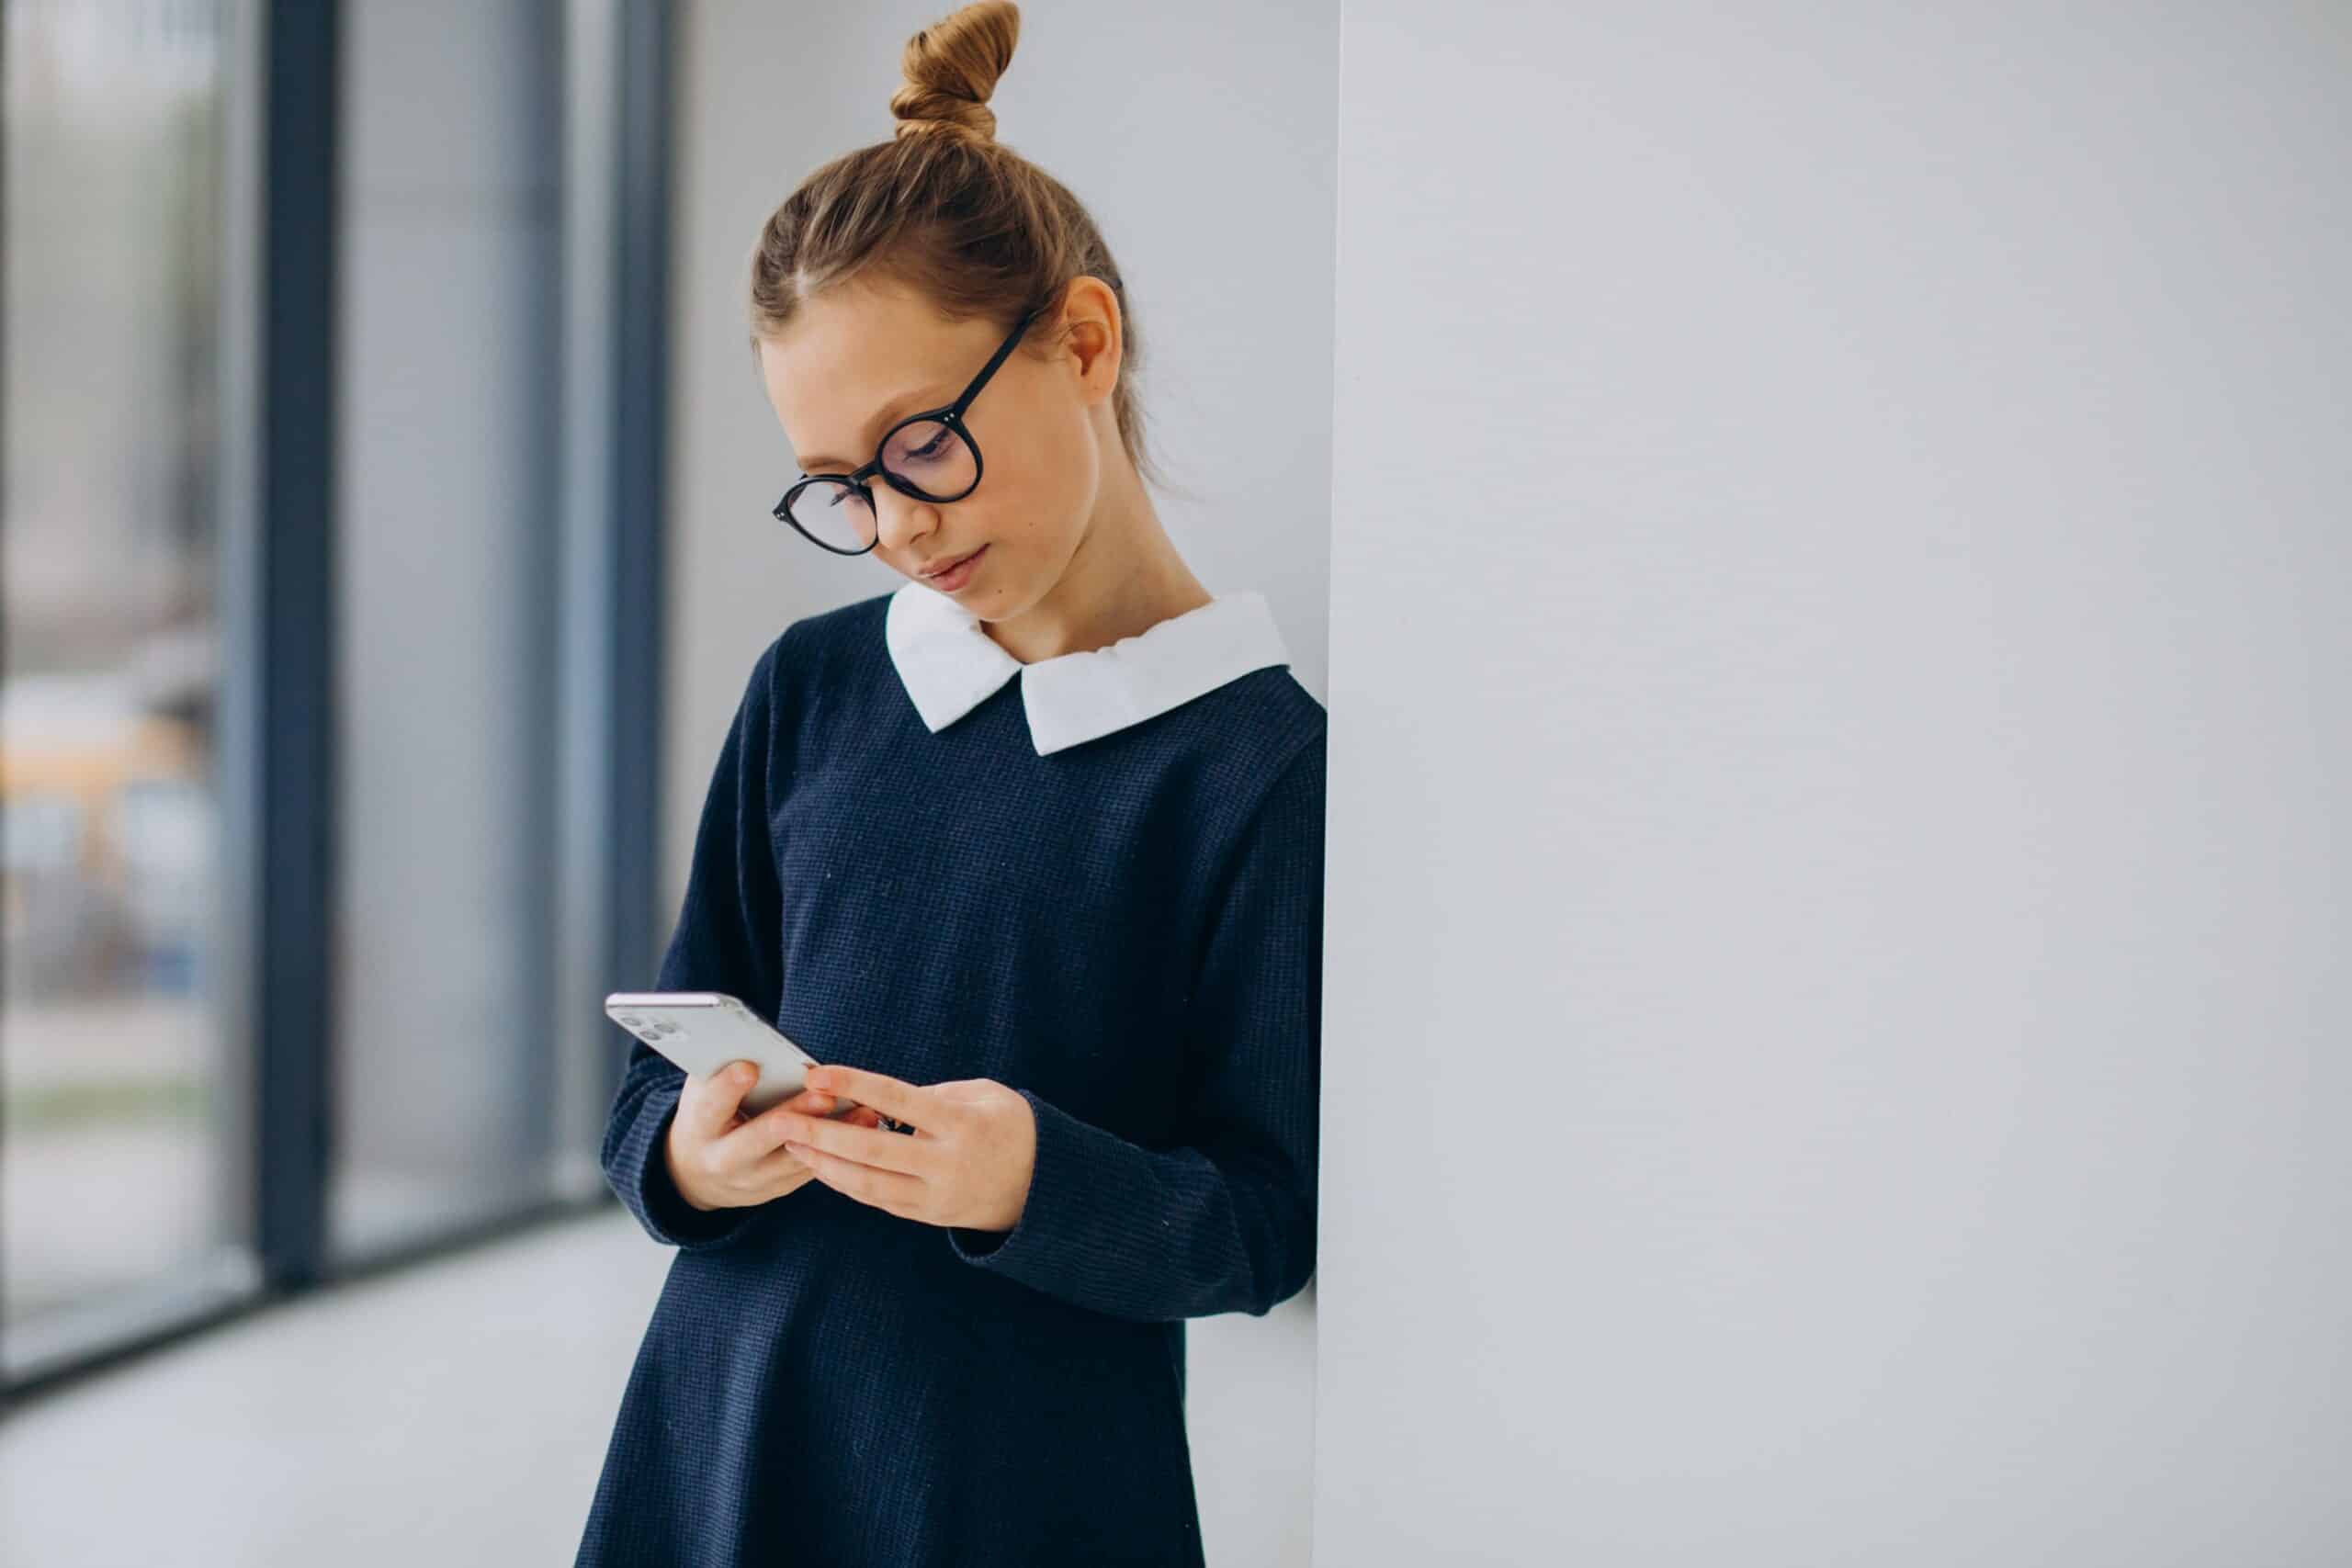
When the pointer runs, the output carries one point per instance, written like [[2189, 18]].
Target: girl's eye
[[931, 447]]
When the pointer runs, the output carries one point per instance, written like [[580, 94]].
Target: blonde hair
[[946, 210]]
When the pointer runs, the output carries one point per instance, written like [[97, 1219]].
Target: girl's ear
[[1094, 331]]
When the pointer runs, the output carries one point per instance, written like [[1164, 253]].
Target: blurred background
[[385, 546], [1854, 770]]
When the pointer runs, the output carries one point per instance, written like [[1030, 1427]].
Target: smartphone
[[704, 1031]]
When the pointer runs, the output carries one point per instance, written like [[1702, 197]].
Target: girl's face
[[861, 357]]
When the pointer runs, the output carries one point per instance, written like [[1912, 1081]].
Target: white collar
[[949, 664]]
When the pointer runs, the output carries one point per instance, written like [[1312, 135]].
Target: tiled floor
[[457, 1414]]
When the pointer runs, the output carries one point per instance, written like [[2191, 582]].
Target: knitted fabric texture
[[1128, 932]]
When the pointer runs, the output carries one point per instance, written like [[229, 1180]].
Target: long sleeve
[[727, 939], [1225, 1222]]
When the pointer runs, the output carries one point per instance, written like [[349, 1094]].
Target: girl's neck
[[1125, 578]]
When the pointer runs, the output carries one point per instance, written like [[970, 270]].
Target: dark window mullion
[[294, 1002]]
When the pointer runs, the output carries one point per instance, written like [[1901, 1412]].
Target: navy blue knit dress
[[1125, 928]]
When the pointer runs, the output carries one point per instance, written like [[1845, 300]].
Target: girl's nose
[[899, 520]]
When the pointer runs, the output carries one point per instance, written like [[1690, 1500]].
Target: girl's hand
[[720, 1159], [967, 1163]]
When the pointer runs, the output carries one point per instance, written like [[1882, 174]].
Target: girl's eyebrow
[[892, 411]]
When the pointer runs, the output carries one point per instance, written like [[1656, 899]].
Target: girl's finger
[[775, 1174]]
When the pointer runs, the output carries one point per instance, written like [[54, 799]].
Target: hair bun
[[952, 66]]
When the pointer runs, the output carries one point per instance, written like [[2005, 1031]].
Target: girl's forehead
[[872, 318], [846, 365], [865, 345]]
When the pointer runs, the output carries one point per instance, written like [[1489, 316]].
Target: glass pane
[[448, 577], [110, 1058]]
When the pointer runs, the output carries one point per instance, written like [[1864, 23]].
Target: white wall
[[1201, 138], [1847, 828]]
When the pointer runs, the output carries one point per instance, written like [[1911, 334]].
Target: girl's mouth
[[955, 575]]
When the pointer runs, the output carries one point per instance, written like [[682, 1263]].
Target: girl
[[1029, 851]]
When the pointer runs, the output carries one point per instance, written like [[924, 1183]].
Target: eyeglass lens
[[929, 457]]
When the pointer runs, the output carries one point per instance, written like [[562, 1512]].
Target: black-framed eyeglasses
[[930, 456]]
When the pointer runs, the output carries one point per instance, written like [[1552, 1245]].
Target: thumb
[[722, 1095]]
